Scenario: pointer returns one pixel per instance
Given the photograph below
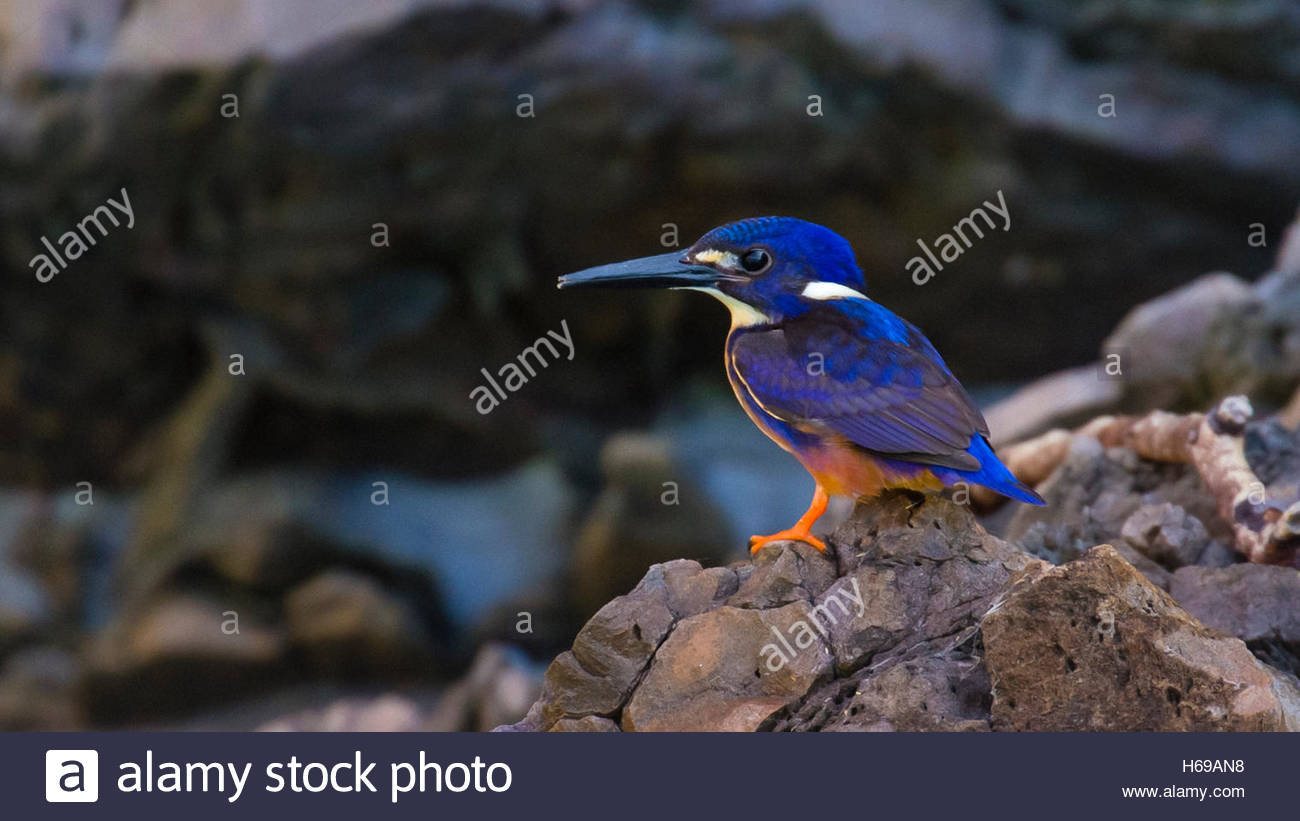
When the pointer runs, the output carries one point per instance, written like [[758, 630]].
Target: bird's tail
[[996, 477]]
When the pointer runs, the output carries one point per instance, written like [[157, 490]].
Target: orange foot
[[802, 530], [756, 543]]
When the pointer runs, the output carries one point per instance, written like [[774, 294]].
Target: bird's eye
[[756, 260]]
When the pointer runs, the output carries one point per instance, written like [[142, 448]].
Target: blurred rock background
[[335, 537]]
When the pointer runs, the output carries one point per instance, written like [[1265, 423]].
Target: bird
[[854, 392]]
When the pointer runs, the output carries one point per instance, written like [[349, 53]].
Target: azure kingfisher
[[857, 394]]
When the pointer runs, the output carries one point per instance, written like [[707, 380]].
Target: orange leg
[[802, 530]]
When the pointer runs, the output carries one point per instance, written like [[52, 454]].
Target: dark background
[[217, 493]]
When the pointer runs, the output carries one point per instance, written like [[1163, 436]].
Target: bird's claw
[[757, 543]]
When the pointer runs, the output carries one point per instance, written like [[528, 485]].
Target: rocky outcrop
[[772, 642], [1256, 603], [917, 619], [1092, 645]]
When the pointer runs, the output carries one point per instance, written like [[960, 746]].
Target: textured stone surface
[[1093, 494], [713, 673], [1165, 533], [39, 691], [929, 623], [770, 643], [1250, 601], [949, 694], [1092, 645], [609, 654]]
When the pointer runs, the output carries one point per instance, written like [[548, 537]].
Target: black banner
[[245, 775]]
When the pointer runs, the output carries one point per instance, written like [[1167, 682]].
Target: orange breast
[[848, 471]]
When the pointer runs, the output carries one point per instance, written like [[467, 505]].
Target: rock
[[498, 687], [1256, 351], [346, 624], [938, 694], [1180, 351], [770, 642], [1250, 601], [923, 574], [776, 578], [270, 530], [586, 724], [1273, 451], [609, 654], [1093, 494], [1160, 346], [724, 670], [1165, 533], [1092, 645], [1219, 553], [1155, 573], [189, 625]]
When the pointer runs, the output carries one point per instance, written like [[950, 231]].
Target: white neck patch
[[831, 290], [742, 315]]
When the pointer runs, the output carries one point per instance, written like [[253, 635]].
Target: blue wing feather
[[852, 368]]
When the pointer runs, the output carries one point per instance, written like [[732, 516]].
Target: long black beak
[[661, 271]]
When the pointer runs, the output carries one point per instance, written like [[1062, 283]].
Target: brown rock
[[947, 694], [784, 574], [586, 724], [1092, 645], [188, 626], [1155, 574], [1253, 602], [608, 656], [921, 575], [729, 669], [757, 645], [1160, 346], [1093, 494]]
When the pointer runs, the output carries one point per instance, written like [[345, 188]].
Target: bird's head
[[764, 269]]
